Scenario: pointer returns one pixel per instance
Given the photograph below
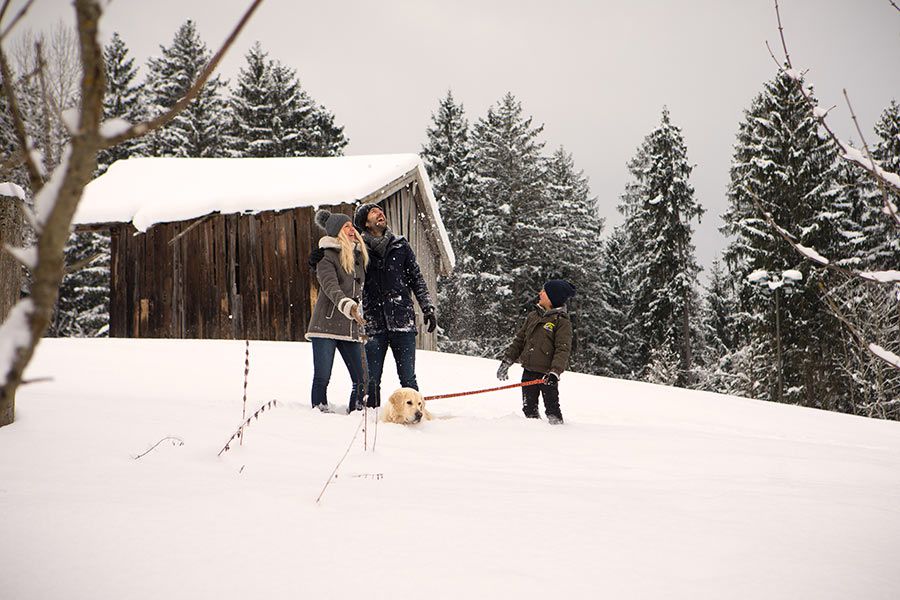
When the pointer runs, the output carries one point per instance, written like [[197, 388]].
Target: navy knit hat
[[362, 214], [331, 222], [559, 291]]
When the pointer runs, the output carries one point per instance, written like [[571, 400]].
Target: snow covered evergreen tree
[[883, 232], [199, 130], [122, 100], [571, 244], [615, 352], [717, 369], [659, 206], [448, 159], [506, 242], [782, 163], [83, 305], [327, 138], [274, 116]]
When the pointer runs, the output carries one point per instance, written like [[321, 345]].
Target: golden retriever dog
[[405, 406]]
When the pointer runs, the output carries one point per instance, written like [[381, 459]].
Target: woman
[[337, 321]]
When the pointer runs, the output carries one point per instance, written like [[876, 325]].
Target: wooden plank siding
[[238, 276]]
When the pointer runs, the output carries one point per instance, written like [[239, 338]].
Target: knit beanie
[[559, 291], [331, 222], [362, 214]]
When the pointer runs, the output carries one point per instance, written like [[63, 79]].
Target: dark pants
[[323, 360], [403, 346], [530, 395]]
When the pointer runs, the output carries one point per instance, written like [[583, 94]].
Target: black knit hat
[[331, 222], [362, 214], [559, 291]]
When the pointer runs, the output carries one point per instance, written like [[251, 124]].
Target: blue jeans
[[323, 360], [403, 346]]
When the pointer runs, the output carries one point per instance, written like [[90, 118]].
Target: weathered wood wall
[[236, 276]]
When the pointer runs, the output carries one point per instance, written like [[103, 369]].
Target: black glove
[[314, 257], [503, 371], [430, 319], [551, 378]]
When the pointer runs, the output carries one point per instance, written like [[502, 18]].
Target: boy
[[543, 344]]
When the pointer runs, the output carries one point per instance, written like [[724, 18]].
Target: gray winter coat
[[339, 292]]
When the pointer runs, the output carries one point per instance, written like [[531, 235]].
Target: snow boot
[[555, 419]]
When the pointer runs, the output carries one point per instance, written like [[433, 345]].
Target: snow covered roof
[[147, 191]]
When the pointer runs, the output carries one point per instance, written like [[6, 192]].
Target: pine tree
[[616, 352], [659, 206], [781, 163], [122, 100], [326, 137], [274, 116], [197, 131], [719, 342], [505, 243], [83, 305], [571, 231], [448, 159], [882, 231]]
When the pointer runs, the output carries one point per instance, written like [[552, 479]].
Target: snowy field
[[645, 492]]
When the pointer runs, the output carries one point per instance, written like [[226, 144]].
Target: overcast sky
[[595, 73]]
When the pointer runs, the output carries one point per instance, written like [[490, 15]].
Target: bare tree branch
[[35, 176], [165, 118], [787, 56], [15, 20], [847, 153], [894, 4], [45, 102], [57, 201], [856, 333], [811, 254], [888, 205]]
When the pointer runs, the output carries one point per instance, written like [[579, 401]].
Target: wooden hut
[[218, 248]]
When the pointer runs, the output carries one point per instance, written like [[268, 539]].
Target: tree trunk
[[11, 233], [11, 276]]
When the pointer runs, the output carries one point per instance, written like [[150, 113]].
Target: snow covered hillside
[[645, 492]]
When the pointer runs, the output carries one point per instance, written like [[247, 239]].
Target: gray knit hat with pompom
[[331, 222]]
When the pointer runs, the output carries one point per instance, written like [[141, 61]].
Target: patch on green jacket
[[549, 326]]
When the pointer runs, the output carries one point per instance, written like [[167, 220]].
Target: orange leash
[[494, 389]]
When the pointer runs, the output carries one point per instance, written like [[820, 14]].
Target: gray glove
[[503, 371]]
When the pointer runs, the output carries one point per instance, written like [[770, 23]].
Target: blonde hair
[[347, 248]]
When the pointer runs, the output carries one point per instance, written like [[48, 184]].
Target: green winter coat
[[339, 292], [543, 342]]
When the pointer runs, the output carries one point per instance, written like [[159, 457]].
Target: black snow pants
[[530, 394]]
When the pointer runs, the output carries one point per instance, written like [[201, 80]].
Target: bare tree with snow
[[57, 193]]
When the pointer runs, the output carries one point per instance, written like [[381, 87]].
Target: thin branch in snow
[[333, 475], [894, 4], [176, 441], [244, 424]]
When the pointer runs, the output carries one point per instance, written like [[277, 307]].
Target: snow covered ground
[[646, 492]]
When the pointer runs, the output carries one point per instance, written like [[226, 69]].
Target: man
[[387, 303]]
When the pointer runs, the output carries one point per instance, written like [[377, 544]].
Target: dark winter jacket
[[543, 342], [387, 303], [339, 292]]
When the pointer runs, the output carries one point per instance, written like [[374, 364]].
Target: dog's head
[[408, 405]]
